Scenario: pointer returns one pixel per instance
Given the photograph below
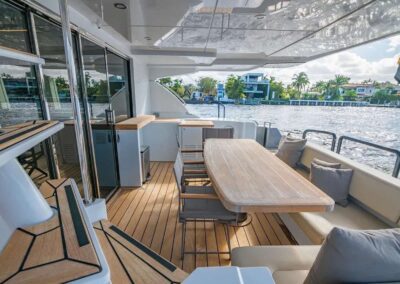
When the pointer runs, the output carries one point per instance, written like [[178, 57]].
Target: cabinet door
[[128, 146]]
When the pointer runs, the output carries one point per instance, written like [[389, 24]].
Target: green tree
[[300, 81], [189, 89], [276, 88], [61, 83], [166, 81], [320, 87], [234, 87], [178, 87], [350, 95], [207, 85], [291, 93], [384, 96]]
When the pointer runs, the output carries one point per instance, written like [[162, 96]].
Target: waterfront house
[[362, 90], [256, 87], [220, 91], [196, 96]]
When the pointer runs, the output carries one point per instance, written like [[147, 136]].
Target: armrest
[[199, 196]]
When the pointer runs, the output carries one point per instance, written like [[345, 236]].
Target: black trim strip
[[117, 255], [80, 231], [168, 265]]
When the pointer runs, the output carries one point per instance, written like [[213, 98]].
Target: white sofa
[[288, 264], [374, 201]]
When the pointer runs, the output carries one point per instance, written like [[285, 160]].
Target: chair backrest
[[178, 170], [222, 133]]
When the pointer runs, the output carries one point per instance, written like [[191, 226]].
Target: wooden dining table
[[249, 178]]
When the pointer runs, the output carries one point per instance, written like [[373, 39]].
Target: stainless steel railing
[[219, 109], [396, 168], [333, 143]]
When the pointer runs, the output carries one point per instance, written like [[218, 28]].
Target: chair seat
[[194, 208]]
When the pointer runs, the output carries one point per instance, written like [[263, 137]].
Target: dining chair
[[196, 165], [200, 203]]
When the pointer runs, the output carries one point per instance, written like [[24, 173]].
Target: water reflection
[[378, 125]]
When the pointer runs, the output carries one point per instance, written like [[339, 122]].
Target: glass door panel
[[100, 107], [19, 93], [56, 90], [119, 85]]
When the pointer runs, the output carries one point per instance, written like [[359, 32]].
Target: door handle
[[118, 138]]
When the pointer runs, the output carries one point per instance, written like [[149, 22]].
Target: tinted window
[[13, 28]]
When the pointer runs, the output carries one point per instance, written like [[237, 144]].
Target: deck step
[[58, 250], [132, 262]]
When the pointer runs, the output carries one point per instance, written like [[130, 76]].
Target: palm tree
[[300, 81], [321, 86]]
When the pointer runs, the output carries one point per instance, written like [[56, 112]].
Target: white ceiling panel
[[367, 24]]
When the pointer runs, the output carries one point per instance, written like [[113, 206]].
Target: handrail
[[396, 169], [223, 107], [323, 132]]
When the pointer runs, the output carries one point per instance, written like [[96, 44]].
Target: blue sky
[[376, 61]]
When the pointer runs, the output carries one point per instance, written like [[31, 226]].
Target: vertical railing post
[[396, 169], [73, 87]]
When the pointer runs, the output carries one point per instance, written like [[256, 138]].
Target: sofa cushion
[[350, 256], [276, 258], [334, 182], [326, 164], [376, 190], [317, 225], [290, 276], [290, 150]]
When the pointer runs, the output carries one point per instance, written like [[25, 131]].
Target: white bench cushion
[[288, 264], [318, 225], [376, 190]]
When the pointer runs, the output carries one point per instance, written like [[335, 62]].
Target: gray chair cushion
[[349, 256], [290, 150], [326, 164], [334, 182], [205, 208]]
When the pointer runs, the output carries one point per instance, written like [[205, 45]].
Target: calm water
[[378, 125]]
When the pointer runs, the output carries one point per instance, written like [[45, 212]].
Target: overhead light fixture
[[260, 16], [147, 38], [120, 6]]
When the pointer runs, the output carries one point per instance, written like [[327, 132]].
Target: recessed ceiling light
[[120, 6], [260, 16], [147, 38]]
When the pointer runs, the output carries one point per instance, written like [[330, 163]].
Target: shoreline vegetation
[[338, 91]]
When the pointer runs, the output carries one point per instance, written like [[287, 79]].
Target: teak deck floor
[[149, 214]]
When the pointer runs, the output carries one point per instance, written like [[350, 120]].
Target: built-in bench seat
[[374, 201], [288, 264]]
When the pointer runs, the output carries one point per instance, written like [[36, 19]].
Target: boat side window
[[13, 28], [19, 95]]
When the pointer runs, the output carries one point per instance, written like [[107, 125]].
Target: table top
[[249, 178], [196, 123]]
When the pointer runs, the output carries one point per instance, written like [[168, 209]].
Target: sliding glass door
[[101, 113], [42, 92]]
